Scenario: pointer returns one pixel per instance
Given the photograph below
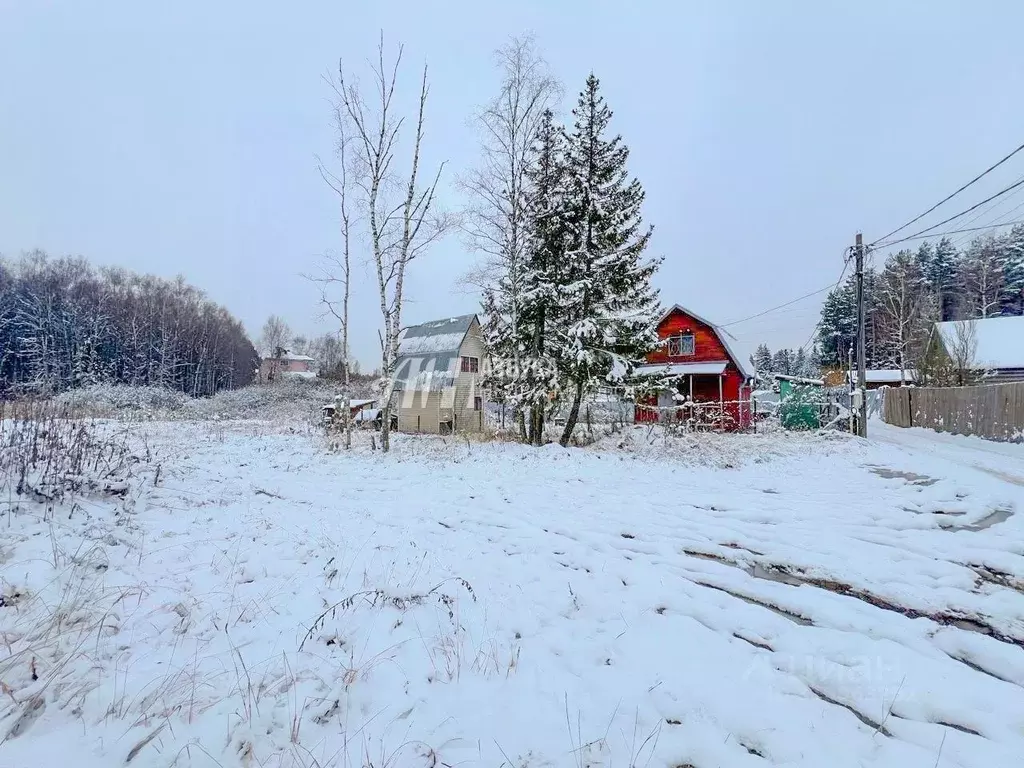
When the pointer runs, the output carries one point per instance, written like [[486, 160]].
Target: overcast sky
[[180, 137]]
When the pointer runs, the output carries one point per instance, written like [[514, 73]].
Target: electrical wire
[[950, 197], [817, 325], [990, 208], [999, 222], [952, 232], [1000, 193], [775, 309]]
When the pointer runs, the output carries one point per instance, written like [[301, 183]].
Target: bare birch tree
[[336, 268], [902, 301], [400, 209], [497, 215], [963, 348]]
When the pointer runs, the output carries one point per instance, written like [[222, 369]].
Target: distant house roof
[[723, 336], [1000, 341], [289, 356], [799, 380], [680, 369], [427, 352], [885, 375]]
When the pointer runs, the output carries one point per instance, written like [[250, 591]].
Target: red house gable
[[709, 385], [708, 346]]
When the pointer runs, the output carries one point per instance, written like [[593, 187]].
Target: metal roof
[[435, 336], [429, 352], [680, 369]]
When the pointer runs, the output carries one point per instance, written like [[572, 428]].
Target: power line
[[814, 332], [1001, 192], [1000, 221], [951, 232], [950, 197], [991, 207], [775, 309]]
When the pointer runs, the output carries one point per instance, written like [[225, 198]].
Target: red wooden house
[[697, 375]]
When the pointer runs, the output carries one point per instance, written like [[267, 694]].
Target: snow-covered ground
[[708, 601]]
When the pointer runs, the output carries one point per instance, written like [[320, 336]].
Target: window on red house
[[471, 365], [681, 346]]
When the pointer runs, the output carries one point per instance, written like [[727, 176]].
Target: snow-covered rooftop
[[289, 356], [680, 369], [799, 379], [886, 375], [434, 337], [1000, 340]]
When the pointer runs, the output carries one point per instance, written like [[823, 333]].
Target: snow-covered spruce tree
[[782, 362], [941, 274], [499, 376], [814, 363], [543, 272], [838, 326], [608, 308], [800, 363], [762, 361], [1012, 299]]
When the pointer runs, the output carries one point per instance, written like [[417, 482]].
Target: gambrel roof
[[723, 336], [427, 352]]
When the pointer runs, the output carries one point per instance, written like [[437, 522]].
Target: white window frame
[[676, 347], [473, 364]]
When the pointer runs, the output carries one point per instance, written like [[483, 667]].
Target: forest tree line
[[916, 288], [787, 362], [65, 324]]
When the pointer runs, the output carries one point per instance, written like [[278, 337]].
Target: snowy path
[[1002, 460], [827, 602]]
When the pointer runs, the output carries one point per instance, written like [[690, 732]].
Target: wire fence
[[699, 416]]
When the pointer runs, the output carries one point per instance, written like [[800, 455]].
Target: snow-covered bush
[[48, 453], [113, 399], [296, 400]]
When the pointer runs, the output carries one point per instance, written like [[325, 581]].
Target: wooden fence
[[994, 411]]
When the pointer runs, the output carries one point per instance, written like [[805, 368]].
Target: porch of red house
[[701, 401]]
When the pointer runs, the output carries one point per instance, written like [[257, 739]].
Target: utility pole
[[853, 388], [860, 399]]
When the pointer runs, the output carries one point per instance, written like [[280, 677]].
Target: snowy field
[[257, 599]]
